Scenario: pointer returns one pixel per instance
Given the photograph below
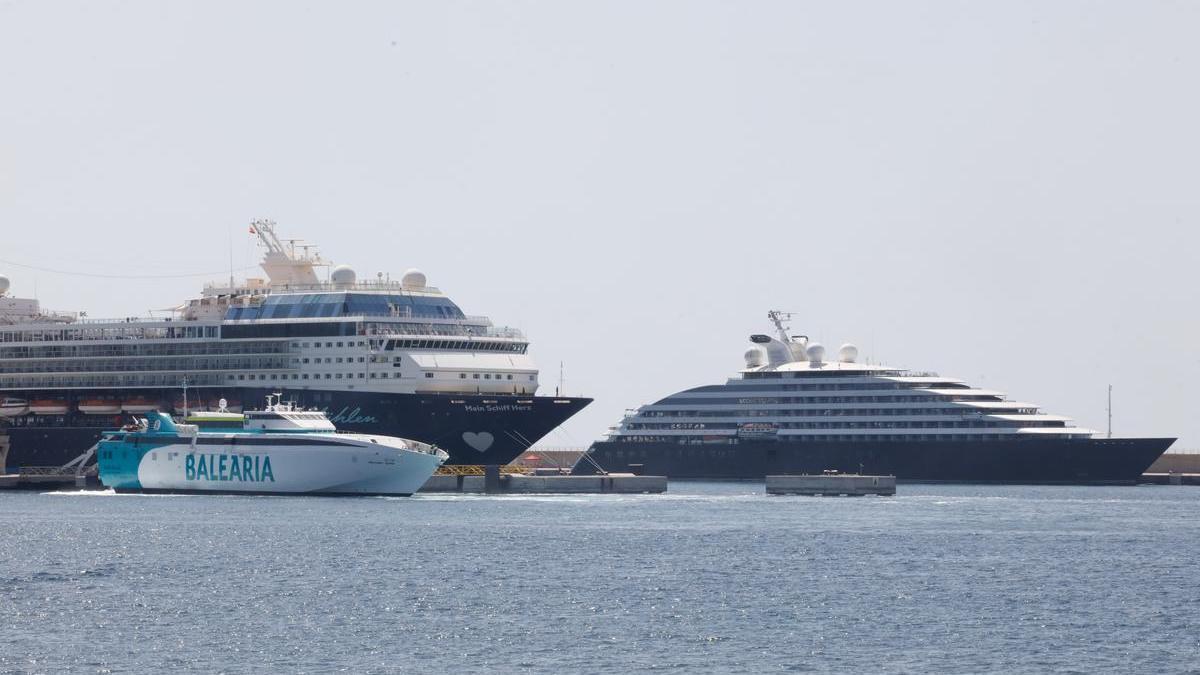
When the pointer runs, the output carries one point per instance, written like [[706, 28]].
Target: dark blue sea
[[712, 577]]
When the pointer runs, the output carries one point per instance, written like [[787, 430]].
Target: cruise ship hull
[[473, 429], [1019, 461]]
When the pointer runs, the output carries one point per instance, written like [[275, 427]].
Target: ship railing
[[66, 471], [364, 285]]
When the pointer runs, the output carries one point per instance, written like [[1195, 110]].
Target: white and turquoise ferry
[[278, 450]]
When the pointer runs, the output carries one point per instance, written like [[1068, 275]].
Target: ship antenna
[[185, 401], [1110, 411], [781, 319]]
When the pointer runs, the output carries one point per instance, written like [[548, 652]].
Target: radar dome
[[848, 353], [816, 352], [413, 279], [4, 284], [343, 275], [754, 357]]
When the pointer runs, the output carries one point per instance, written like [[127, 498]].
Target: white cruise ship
[[396, 358], [791, 410]]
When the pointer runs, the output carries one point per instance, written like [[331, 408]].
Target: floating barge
[[492, 481], [832, 485]]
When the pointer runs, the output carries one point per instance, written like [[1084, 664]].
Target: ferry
[[280, 450], [792, 410], [377, 355]]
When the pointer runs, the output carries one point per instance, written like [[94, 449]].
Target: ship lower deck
[[1080, 461], [473, 429]]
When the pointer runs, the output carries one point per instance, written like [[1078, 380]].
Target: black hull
[[1086, 461], [473, 429]]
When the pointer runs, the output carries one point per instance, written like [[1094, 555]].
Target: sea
[[710, 577]]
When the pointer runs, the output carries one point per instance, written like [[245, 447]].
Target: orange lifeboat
[[99, 406], [139, 404], [49, 406]]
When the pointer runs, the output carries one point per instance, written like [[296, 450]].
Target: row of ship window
[[777, 375], [127, 365], [831, 412], [843, 438], [155, 349], [903, 398], [350, 376], [112, 332], [850, 386], [852, 425], [329, 345]]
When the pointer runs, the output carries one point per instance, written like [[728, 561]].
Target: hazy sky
[[1000, 191]]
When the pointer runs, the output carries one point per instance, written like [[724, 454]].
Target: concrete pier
[[832, 485], [525, 484]]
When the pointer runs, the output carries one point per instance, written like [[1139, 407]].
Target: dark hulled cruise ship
[[791, 411], [378, 356]]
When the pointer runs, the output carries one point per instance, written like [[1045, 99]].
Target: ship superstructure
[[793, 410], [380, 356]]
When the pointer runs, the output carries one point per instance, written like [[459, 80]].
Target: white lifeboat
[[13, 407]]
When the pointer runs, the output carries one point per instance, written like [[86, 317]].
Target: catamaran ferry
[[394, 358], [278, 450]]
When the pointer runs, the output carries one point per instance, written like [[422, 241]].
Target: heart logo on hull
[[480, 441]]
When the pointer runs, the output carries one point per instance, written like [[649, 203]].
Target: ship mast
[[282, 265]]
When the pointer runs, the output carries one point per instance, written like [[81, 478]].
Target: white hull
[[325, 468]]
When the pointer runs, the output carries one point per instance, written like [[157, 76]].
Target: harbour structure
[[396, 358], [278, 450], [793, 411]]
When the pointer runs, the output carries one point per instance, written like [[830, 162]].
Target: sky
[[1004, 192]]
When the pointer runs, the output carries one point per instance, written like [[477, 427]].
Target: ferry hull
[[264, 466], [473, 429], [1023, 461]]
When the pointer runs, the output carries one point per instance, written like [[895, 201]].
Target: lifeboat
[[99, 406], [139, 404], [13, 407], [49, 406]]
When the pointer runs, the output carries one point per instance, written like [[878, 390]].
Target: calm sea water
[[711, 577]]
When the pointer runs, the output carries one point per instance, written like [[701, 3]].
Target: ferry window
[[531, 378], [462, 376], [339, 359], [361, 359], [340, 344], [339, 376], [274, 376], [360, 376], [295, 376], [328, 376], [510, 377], [305, 360], [475, 376], [328, 344], [372, 376], [306, 344], [429, 375], [487, 376], [241, 377], [328, 360]]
